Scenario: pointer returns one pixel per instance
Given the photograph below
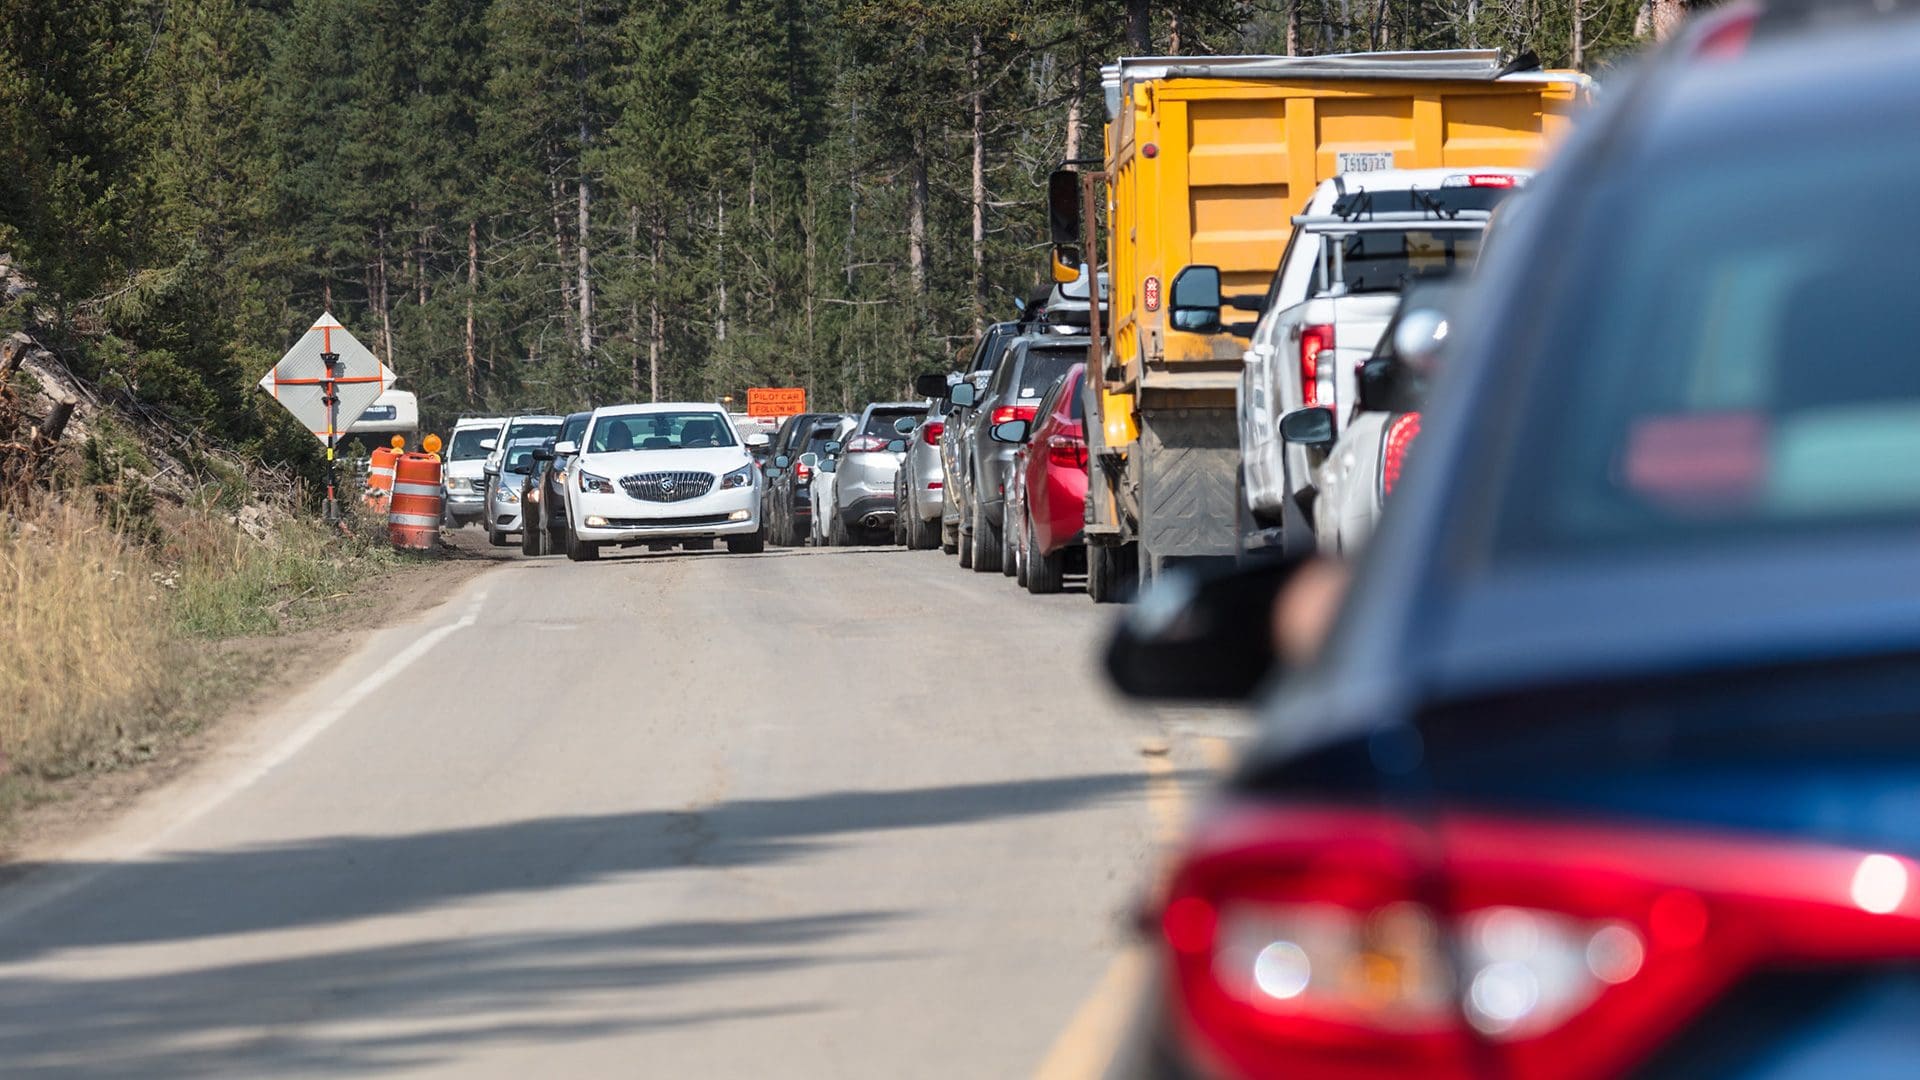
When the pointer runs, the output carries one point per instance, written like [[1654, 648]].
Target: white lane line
[[57, 883]]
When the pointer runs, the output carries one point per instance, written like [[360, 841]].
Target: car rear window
[[1729, 365], [881, 421], [1040, 368], [1391, 260], [532, 429], [466, 443], [575, 427]]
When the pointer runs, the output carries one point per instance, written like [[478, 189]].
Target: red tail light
[[1007, 413], [866, 444], [1324, 942], [935, 429], [803, 471], [1067, 451], [1315, 340], [1400, 435]]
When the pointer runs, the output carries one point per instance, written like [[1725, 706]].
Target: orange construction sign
[[776, 401]]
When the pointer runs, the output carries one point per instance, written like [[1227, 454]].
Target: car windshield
[[880, 421], [531, 429], [659, 431], [1715, 379], [1041, 368], [1390, 260], [466, 443]]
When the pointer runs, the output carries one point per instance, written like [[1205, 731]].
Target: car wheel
[[529, 541], [496, 537], [1020, 553], [1043, 572], [920, 534], [949, 538], [1109, 572], [582, 550], [1009, 557], [751, 544], [986, 545], [837, 533]]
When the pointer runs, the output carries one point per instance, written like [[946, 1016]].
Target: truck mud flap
[[1189, 490]]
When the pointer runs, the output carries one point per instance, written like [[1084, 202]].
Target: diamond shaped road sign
[[298, 381]]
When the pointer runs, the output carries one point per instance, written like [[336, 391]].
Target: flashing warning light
[[430, 444], [398, 442]]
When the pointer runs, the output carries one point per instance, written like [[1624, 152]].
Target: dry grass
[[85, 639]]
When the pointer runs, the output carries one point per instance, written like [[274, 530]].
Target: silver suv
[[870, 455], [920, 487]]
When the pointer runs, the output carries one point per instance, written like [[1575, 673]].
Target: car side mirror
[[833, 447], [521, 468], [1013, 431], [781, 461], [830, 465], [1312, 428], [542, 453], [1194, 638], [1387, 384], [897, 446], [489, 444], [1195, 302], [759, 439], [906, 424], [490, 469], [566, 448], [810, 459], [963, 394], [930, 385]]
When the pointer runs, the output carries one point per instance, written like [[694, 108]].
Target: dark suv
[[543, 529], [987, 354], [1034, 362], [788, 506]]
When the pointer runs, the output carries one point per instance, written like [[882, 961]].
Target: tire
[[1021, 543], [496, 537], [530, 541], [751, 544], [920, 535], [582, 550], [949, 538], [1043, 573], [1110, 573], [986, 545], [837, 533], [1009, 556]]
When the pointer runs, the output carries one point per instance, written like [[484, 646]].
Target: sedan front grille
[[667, 486]]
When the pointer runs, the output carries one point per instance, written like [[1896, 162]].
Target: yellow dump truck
[[1207, 161]]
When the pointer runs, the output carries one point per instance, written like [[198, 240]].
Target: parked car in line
[[1047, 493], [1033, 362], [988, 352], [919, 489], [788, 501], [1597, 771], [825, 462], [544, 528], [665, 474], [870, 455], [462, 475], [504, 506], [531, 426]]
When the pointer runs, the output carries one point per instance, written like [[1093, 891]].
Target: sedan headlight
[[505, 494], [738, 478], [590, 482]]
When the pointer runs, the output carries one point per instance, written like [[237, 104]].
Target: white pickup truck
[[1361, 240]]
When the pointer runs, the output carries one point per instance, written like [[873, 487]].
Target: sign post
[[327, 374]]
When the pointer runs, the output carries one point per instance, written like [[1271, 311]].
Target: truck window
[[466, 443], [1377, 262]]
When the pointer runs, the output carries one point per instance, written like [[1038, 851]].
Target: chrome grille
[[667, 486]]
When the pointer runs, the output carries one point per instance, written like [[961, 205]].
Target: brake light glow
[[803, 472], [1393, 457], [1008, 413], [935, 429], [1315, 340]]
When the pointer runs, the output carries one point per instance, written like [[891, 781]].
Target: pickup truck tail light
[[1393, 456], [866, 444], [1008, 413], [1315, 340], [934, 431], [803, 472], [1067, 451]]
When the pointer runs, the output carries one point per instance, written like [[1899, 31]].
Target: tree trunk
[[917, 219], [473, 290], [656, 327], [48, 431], [568, 315], [1140, 27], [1659, 18], [585, 288], [720, 320], [386, 313], [979, 190], [1579, 39]]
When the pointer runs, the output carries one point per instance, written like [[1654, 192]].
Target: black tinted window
[[880, 421], [1041, 367]]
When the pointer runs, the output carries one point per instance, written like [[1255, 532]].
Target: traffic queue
[[1592, 756]]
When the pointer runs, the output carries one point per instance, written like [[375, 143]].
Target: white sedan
[[662, 474]]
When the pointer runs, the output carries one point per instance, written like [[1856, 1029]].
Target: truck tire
[[986, 545], [1043, 573], [1111, 572]]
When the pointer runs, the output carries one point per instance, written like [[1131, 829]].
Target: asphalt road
[[843, 813]]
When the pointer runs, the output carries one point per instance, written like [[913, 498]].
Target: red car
[[1047, 500]]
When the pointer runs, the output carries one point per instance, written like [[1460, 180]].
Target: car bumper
[[504, 519], [616, 518]]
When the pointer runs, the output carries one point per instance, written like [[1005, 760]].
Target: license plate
[[1363, 161]]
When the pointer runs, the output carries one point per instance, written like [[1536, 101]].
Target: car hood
[[468, 468], [717, 460]]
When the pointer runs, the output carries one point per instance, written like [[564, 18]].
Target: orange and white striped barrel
[[380, 477], [413, 518]]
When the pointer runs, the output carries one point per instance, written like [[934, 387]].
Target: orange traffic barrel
[[413, 518], [380, 477]]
